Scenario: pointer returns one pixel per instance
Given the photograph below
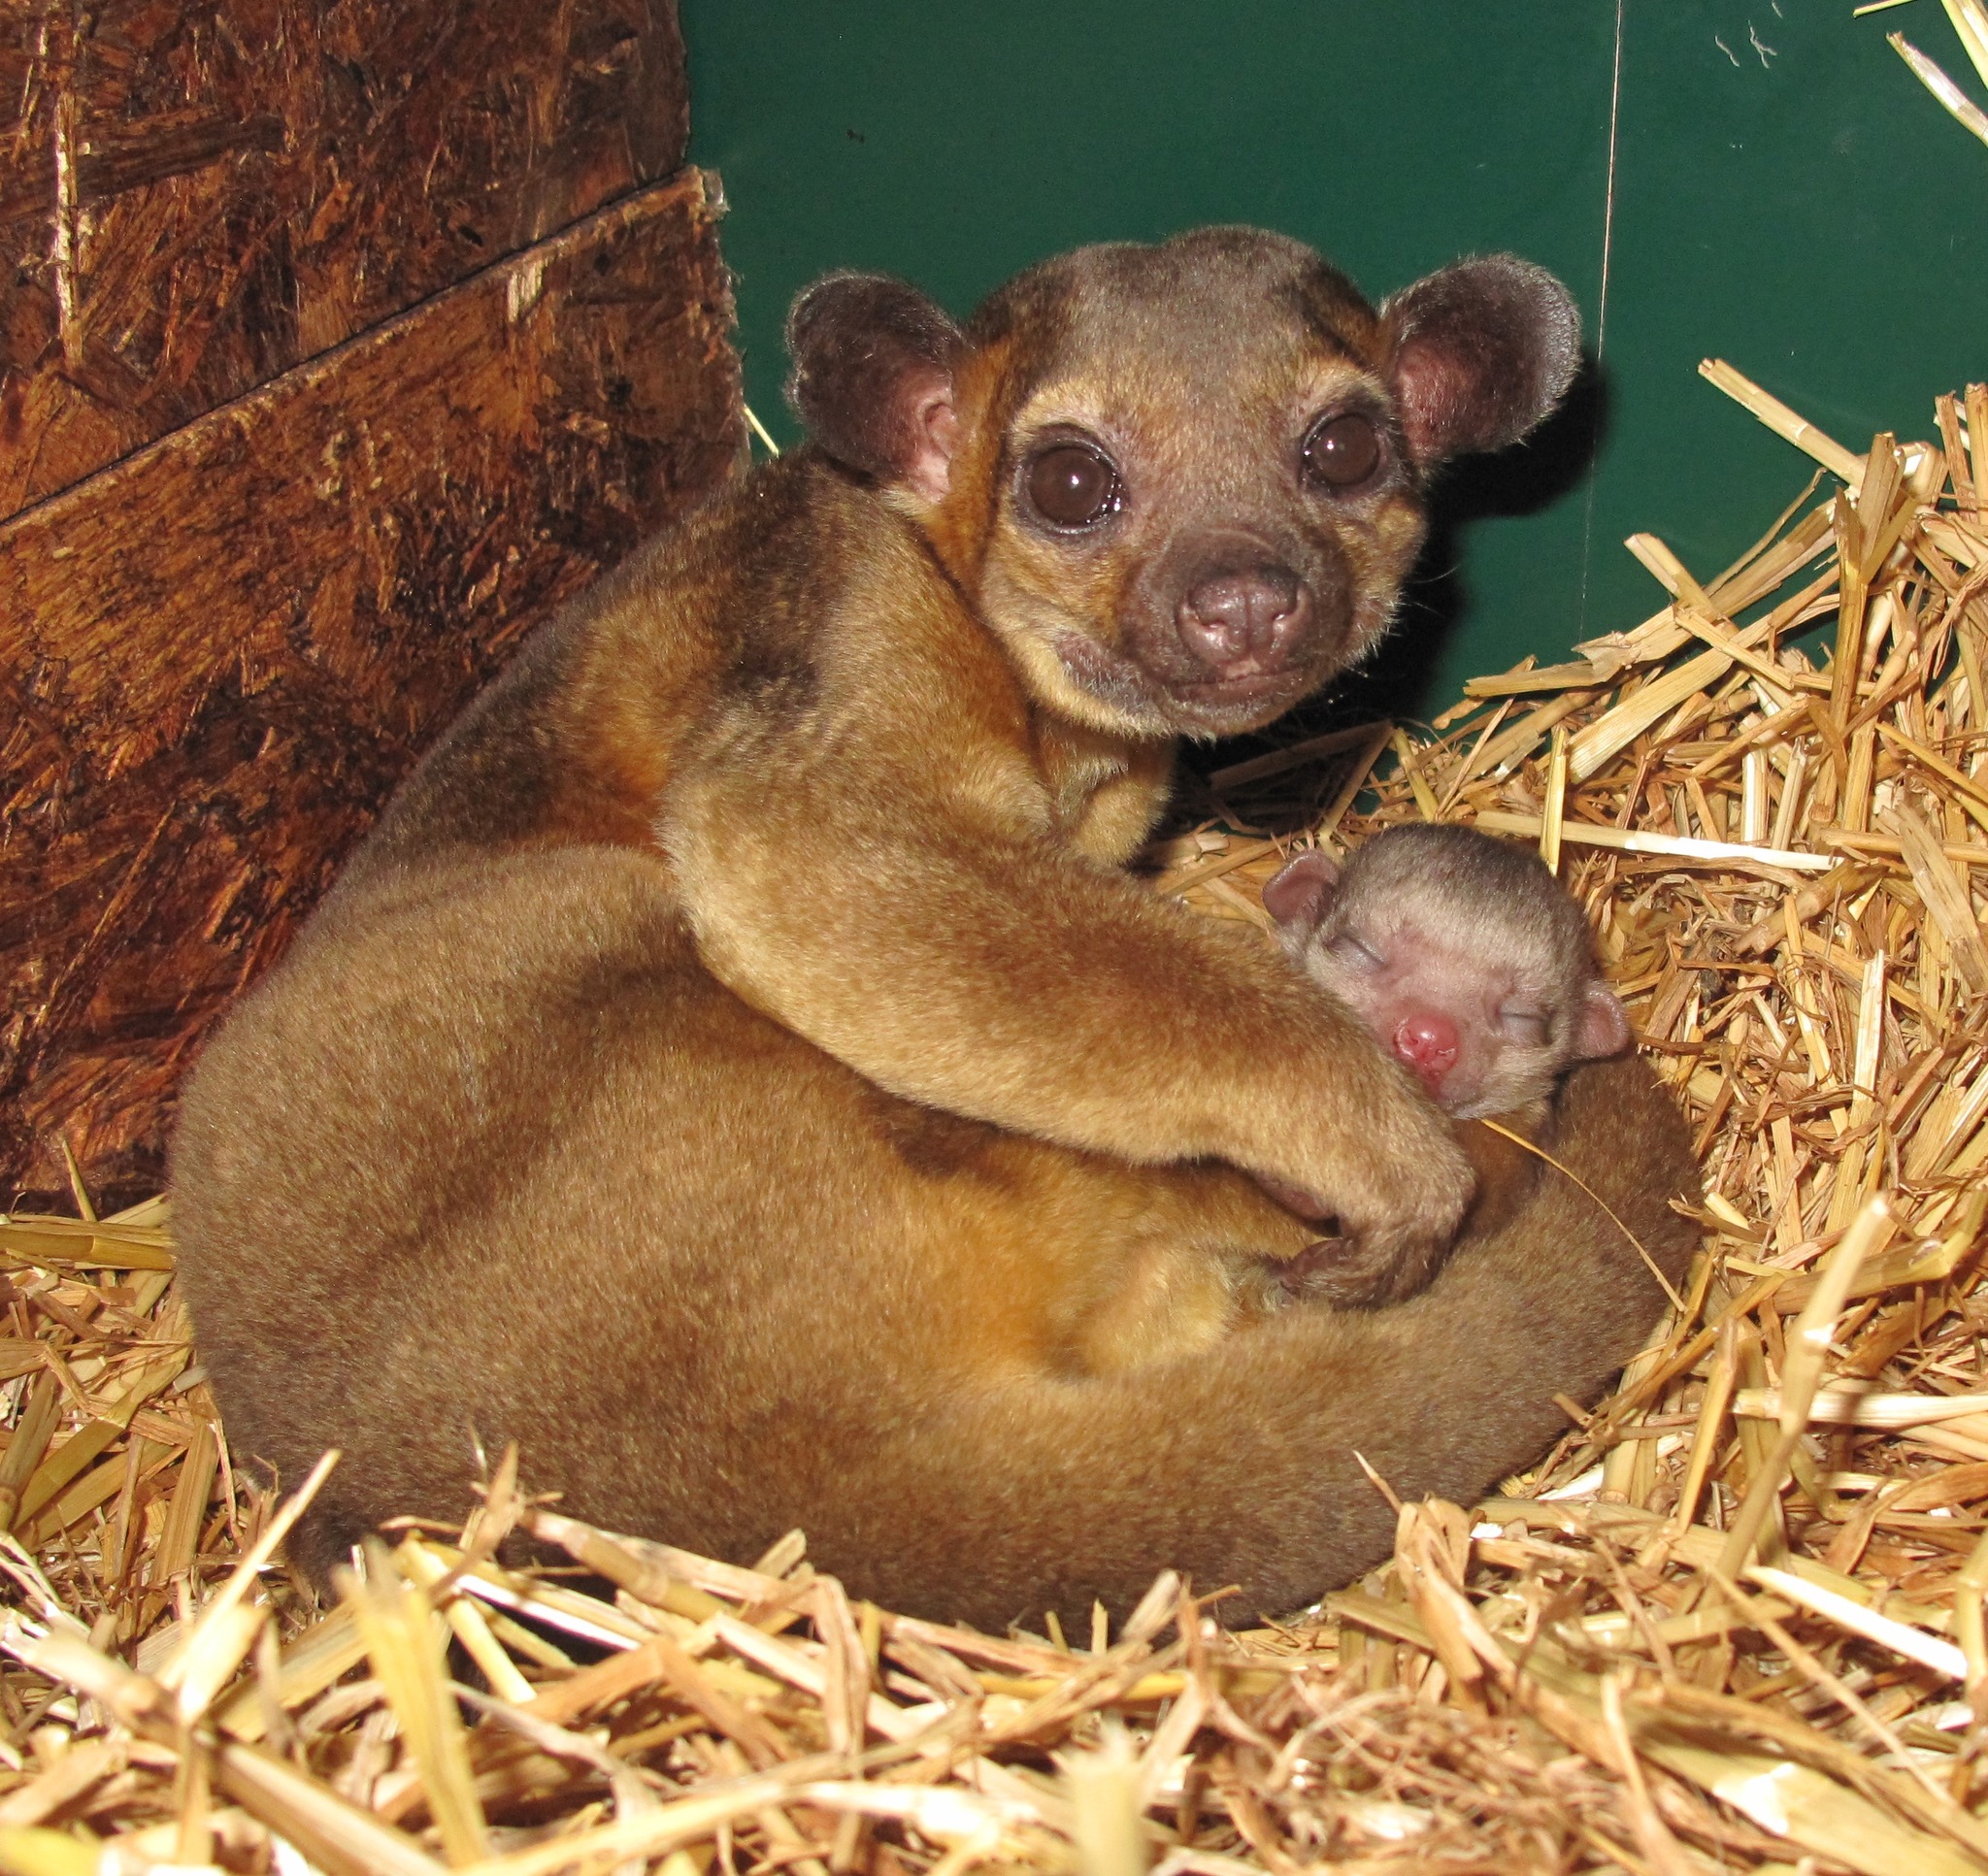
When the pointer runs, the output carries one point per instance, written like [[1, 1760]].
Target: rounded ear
[[1298, 897], [1602, 1027], [1479, 353], [873, 378]]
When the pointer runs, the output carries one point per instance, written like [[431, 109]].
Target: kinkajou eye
[[1523, 1024], [1351, 950], [1342, 451], [1073, 485]]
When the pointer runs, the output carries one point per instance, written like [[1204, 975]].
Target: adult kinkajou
[[740, 1044], [1466, 960]]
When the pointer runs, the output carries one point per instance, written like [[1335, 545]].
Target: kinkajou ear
[[1298, 897], [873, 371], [1602, 1027], [1479, 353]]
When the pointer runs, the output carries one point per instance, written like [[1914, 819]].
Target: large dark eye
[[1342, 451], [1072, 485]]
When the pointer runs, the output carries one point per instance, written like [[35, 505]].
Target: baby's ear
[[1479, 353], [874, 362], [1300, 896], [1602, 1027]]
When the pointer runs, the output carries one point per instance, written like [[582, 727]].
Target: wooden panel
[[229, 646], [196, 196]]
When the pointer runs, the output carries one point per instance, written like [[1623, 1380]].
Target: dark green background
[[1808, 213]]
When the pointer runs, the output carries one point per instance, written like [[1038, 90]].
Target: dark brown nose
[[1245, 621]]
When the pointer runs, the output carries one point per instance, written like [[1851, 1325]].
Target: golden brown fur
[[737, 1071], [1468, 959]]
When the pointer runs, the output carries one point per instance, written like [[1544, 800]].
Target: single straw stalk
[[398, 1626]]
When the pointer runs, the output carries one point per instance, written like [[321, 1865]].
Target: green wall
[[1806, 211]]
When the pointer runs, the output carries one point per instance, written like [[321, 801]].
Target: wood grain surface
[[195, 197], [227, 647]]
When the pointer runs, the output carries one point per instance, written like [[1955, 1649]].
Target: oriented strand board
[[227, 647], [196, 195]]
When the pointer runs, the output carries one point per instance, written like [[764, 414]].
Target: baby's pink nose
[[1427, 1041]]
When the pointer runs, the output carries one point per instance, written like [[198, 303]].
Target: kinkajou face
[[1462, 954]]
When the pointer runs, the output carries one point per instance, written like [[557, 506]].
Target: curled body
[[1466, 960], [737, 1066]]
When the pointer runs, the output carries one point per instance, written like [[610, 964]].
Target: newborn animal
[[738, 1062], [1462, 954], [1467, 958]]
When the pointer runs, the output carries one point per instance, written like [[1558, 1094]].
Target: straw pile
[[1735, 1620]]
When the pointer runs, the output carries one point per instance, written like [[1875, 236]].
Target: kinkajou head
[[1462, 953]]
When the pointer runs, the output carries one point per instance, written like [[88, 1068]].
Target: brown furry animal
[[1465, 957], [737, 1066], [1462, 954], [1468, 960]]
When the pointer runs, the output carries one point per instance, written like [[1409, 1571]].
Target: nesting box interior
[[1735, 1620]]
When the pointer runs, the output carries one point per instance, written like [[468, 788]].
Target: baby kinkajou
[[1463, 955], [1468, 961]]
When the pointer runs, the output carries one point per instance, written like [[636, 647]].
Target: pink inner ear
[[1604, 1026], [1428, 391], [935, 438], [1298, 897]]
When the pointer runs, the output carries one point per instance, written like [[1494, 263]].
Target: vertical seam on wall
[[1587, 533]]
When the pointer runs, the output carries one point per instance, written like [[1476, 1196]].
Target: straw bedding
[[1735, 1620]]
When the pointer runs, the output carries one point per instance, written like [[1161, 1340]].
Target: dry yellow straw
[[1962, 108], [1802, 1375]]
